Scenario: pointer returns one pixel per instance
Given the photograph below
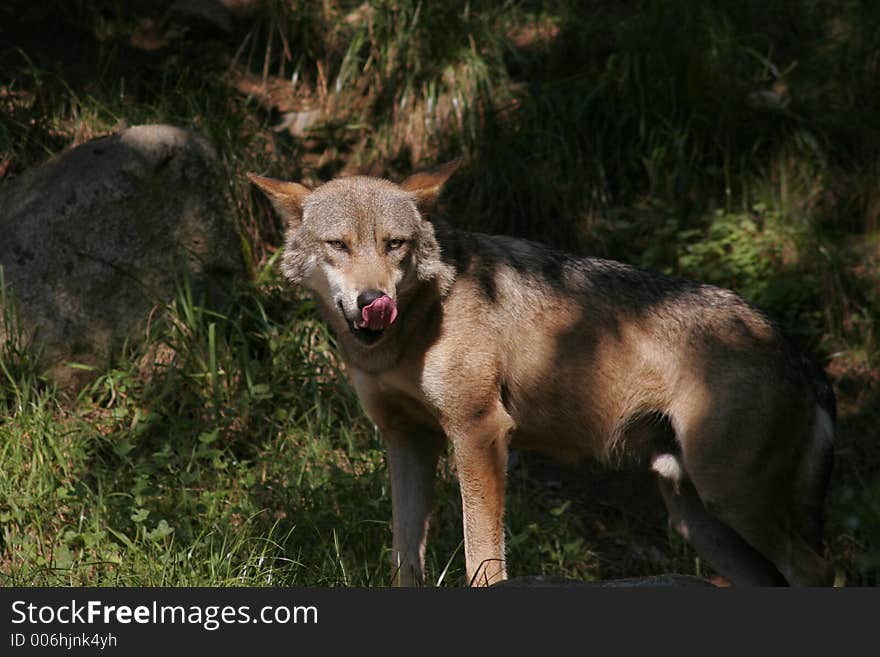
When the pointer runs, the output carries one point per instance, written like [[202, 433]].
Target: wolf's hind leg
[[717, 543], [781, 541], [765, 493]]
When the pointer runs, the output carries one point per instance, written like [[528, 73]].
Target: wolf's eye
[[339, 245], [395, 244]]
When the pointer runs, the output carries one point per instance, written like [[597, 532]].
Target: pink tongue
[[380, 314]]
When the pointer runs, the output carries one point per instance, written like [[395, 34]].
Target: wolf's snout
[[378, 310]]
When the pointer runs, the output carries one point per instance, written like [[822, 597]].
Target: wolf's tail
[[817, 461]]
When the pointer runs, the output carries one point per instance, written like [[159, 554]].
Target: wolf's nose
[[366, 298]]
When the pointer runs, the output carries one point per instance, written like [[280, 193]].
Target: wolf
[[490, 342]]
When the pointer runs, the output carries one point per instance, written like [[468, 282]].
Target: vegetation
[[734, 142]]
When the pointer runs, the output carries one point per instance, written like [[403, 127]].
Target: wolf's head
[[361, 243]]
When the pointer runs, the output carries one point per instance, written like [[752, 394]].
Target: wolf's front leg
[[412, 460], [481, 461], [413, 452]]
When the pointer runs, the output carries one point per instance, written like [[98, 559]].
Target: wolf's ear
[[427, 185], [286, 197]]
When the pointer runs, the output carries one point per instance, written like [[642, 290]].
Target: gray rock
[[670, 580], [94, 239]]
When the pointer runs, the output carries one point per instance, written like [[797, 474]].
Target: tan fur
[[504, 342]]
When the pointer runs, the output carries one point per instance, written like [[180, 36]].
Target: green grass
[[226, 447], [228, 451]]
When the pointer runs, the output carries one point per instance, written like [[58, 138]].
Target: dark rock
[[94, 239], [655, 581]]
